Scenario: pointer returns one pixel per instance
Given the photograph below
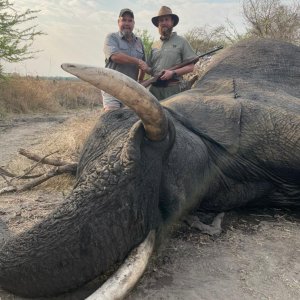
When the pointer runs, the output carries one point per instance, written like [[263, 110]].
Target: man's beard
[[165, 32], [127, 34]]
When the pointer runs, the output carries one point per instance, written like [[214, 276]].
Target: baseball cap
[[126, 11]]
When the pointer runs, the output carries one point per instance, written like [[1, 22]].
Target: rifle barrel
[[147, 82]]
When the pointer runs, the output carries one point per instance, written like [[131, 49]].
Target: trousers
[[164, 92]]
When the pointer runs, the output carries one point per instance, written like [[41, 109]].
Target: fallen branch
[[34, 157], [61, 167], [45, 159], [71, 168], [8, 189], [4, 173]]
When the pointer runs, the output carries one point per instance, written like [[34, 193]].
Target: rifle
[[149, 81]]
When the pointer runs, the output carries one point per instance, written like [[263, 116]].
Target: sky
[[76, 29]]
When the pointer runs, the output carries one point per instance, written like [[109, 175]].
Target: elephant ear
[[216, 116]]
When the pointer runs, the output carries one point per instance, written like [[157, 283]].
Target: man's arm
[[113, 52], [187, 52], [168, 74], [141, 76], [121, 58]]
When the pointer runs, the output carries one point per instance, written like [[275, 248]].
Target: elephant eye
[[119, 115]]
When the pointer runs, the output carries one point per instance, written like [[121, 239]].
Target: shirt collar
[[122, 35], [172, 34]]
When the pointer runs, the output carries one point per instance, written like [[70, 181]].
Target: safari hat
[[165, 11], [126, 11]]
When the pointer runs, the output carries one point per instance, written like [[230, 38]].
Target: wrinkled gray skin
[[237, 143]]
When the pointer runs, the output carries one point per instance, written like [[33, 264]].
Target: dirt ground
[[257, 255]]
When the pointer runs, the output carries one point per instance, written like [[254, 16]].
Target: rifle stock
[[194, 60]]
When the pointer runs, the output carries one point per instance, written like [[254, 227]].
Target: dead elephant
[[232, 141]]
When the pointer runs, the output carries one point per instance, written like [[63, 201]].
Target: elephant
[[231, 141]]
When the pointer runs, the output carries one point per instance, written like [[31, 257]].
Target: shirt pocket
[[173, 55], [124, 48]]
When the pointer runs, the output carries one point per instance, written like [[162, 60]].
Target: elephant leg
[[213, 229]]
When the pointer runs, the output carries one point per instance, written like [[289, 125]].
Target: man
[[170, 50], [124, 52]]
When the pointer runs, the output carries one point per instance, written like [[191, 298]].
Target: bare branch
[[272, 19], [39, 161], [8, 189], [44, 160], [61, 167], [70, 168], [4, 173], [5, 179]]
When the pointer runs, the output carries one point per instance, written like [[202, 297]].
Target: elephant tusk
[[131, 93], [125, 278]]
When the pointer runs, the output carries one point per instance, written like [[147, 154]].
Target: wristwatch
[[174, 75]]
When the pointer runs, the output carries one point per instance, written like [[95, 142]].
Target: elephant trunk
[[74, 245]]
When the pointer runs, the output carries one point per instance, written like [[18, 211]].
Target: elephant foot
[[213, 229]]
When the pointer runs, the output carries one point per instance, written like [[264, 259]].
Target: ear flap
[[215, 116]]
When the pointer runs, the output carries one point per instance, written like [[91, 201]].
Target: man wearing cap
[[124, 52], [170, 50]]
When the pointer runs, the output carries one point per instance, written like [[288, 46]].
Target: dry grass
[[64, 142], [30, 94]]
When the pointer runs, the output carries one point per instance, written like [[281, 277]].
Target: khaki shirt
[[116, 43], [167, 53]]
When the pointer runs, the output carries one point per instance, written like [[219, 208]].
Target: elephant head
[[113, 206]]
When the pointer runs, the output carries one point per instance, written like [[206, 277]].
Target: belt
[[165, 83], [173, 82]]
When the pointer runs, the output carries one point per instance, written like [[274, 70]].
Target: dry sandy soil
[[256, 257]]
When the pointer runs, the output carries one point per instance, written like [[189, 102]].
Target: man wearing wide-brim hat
[[170, 50]]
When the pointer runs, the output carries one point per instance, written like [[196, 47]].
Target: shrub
[[33, 94]]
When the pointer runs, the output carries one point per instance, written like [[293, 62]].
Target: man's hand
[[143, 66], [167, 74]]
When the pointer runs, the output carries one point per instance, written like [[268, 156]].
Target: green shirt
[[167, 53]]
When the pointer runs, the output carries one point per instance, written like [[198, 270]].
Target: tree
[[147, 40], [271, 19], [15, 39], [203, 39]]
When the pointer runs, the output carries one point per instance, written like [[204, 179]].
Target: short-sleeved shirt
[[116, 43], [167, 53]]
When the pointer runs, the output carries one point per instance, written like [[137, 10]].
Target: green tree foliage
[[15, 38], [146, 38], [272, 19]]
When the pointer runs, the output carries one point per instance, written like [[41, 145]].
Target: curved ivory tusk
[[131, 93], [125, 278]]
